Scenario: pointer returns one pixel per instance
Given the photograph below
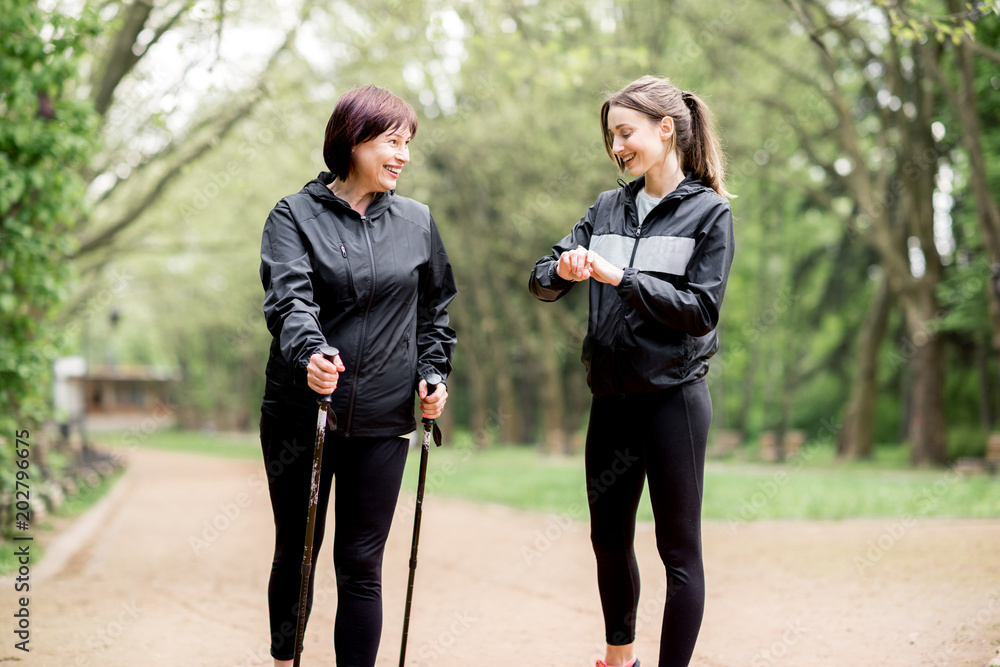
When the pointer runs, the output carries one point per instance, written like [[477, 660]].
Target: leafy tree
[[46, 136]]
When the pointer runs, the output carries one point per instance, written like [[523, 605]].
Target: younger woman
[[658, 252]]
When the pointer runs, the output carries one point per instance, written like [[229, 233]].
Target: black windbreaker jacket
[[657, 328], [376, 287]]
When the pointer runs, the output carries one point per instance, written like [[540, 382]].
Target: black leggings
[[369, 471], [662, 437]]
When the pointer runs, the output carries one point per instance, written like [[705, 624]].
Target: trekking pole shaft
[[314, 481], [425, 447], [418, 514]]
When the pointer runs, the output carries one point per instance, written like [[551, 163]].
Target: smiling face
[[639, 141], [376, 163]]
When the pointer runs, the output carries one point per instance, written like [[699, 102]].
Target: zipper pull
[[343, 250]]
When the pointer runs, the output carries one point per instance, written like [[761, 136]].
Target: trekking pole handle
[[328, 352], [432, 380]]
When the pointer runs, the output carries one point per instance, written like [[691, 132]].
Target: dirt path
[[176, 572]]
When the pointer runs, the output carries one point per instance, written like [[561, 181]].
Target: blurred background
[[143, 144]]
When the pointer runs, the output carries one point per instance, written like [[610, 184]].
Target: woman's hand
[[573, 265], [432, 406], [602, 270], [322, 375], [579, 264]]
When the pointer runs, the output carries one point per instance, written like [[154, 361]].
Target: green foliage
[[967, 440], [73, 506], [87, 496], [509, 156], [920, 21], [8, 556], [46, 135]]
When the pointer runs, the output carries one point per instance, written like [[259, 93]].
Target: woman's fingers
[[338, 364], [322, 374], [583, 262], [577, 264], [432, 406], [573, 264]]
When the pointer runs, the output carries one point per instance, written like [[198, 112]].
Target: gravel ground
[[171, 569]]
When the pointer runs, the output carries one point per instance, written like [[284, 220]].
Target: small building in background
[[112, 398]]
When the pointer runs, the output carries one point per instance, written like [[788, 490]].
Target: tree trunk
[[964, 101], [763, 284], [855, 439], [553, 396], [994, 306], [925, 348], [749, 379], [475, 380], [577, 404], [476, 383], [507, 414], [508, 359], [987, 210], [122, 57], [983, 364]]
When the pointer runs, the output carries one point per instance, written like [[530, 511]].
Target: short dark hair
[[361, 114]]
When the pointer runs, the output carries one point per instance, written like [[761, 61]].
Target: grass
[[87, 497], [228, 445], [735, 490], [71, 508], [8, 558], [813, 486]]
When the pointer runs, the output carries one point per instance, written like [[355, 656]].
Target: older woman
[[349, 263]]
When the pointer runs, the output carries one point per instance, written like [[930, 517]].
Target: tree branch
[[981, 50], [814, 34], [121, 60], [107, 234]]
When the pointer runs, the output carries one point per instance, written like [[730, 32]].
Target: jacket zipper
[[621, 320], [350, 276], [364, 328]]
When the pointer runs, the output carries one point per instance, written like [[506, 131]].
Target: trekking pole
[[324, 416], [432, 380]]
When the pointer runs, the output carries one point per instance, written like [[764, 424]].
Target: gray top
[[645, 204]]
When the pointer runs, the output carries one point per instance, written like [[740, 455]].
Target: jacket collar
[[689, 186], [317, 189]]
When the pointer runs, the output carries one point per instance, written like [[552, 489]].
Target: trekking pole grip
[[432, 380], [328, 352]]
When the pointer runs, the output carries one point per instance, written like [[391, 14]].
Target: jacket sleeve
[[286, 272], [693, 306], [436, 340], [545, 283]]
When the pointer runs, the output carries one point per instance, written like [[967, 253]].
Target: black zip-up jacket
[[657, 328], [376, 287]]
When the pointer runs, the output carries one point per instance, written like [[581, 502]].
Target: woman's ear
[[666, 127]]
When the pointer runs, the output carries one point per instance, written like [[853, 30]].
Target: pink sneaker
[[634, 662]]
